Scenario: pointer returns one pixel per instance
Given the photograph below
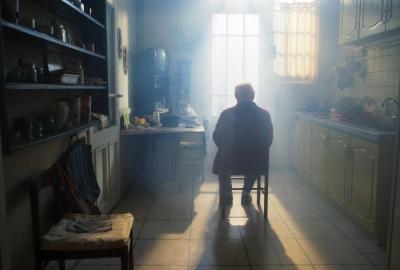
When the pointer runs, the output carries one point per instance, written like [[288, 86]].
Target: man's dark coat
[[243, 136]]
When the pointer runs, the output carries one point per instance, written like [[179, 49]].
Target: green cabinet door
[[372, 17], [337, 182], [319, 156], [305, 149], [363, 182], [393, 15], [349, 21]]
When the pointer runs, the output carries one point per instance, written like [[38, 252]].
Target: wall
[[21, 165], [382, 67], [289, 98], [157, 19]]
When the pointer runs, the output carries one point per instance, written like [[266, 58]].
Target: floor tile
[[293, 211], [366, 245], [136, 198], [289, 251], [281, 198], [173, 198], [348, 228], [217, 252], [302, 228], [330, 212], [97, 267], [154, 267], [170, 212], [162, 252], [165, 229], [332, 251], [137, 228], [344, 267], [209, 229], [261, 252], [274, 229], [139, 211], [220, 268], [284, 267]]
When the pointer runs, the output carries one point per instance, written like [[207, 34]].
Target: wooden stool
[[72, 246], [259, 189]]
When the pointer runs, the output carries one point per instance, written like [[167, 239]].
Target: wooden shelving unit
[[91, 28], [18, 33], [51, 87], [59, 134]]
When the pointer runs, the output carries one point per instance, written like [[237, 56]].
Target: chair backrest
[[44, 205]]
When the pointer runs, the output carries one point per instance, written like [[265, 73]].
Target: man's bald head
[[244, 92]]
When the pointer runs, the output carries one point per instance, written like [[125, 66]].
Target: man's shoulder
[[228, 111], [263, 111]]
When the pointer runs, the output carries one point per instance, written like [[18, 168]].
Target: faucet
[[391, 107]]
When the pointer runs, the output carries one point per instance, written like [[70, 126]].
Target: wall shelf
[[22, 33], [47, 87], [60, 134], [67, 10]]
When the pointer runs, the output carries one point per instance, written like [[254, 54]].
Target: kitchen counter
[[370, 134], [162, 130]]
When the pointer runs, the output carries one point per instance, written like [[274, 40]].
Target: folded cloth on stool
[[60, 239]]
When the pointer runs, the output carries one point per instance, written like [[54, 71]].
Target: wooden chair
[[45, 215], [259, 190]]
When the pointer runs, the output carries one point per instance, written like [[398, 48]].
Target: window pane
[[235, 24], [219, 65], [219, 24], [252, 24], [235, 61], [251, 61]]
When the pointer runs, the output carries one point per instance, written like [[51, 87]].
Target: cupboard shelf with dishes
[[53, 61]]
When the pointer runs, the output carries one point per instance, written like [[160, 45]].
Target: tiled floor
[[184, 231]]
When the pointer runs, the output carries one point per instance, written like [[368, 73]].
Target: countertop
[[162, 130], [370, 134]]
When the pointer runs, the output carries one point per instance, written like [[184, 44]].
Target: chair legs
[[222, 195], [131, 252], [222, 199], [258, 190], [125, 259], [61, 265], [266, 180]]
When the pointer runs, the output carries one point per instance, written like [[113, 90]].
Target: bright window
[[296, 39], [235, 45]]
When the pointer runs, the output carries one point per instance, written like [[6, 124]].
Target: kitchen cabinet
[[372, 17], [349, 21], [114, 167], [363, 182], [352, 167], [304, 144], [338, 152], [105, 144], [361, 19], [102, 175], [393, 14], [319, 156]]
